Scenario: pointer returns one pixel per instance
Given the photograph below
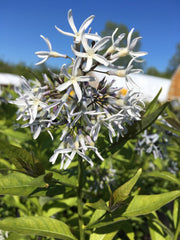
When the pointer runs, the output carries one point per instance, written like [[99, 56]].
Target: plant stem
[[79, 198]]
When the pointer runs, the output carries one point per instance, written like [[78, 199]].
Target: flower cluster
[[78, 100]]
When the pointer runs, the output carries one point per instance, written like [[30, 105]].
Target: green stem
[[79, 198]]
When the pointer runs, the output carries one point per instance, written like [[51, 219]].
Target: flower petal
[[102, 42], [42, 54], [85, 79], [78, 91], [65, 33], [37, 132], [101, 59], [47, 42], [71, 21], [64, 71], [42, 61], [76, 66], [33, 113], [129, 38], [89, 63], [94, 37], [63, 86], [79, 54], [86, 23], [85, 44]]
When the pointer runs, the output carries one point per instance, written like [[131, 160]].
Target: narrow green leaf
[[156, 232], [42, 226], [101, 204], [108, 236], [176, 213], [177, 231], [20, 184], [145, 204], [164, 175], [122, 193], [169, 128], [153, 104], [173, 122], [169, 233]]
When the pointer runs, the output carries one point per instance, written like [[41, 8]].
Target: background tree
[[153, 71], [174, 61], [109, 29]]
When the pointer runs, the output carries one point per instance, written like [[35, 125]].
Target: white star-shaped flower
[[47, 54], [74, 79], [78, 34], [128, 50], [91, 53]]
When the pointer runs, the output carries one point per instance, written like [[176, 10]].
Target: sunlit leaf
[[140, 205], [42, 226], [20, 184], [145, 204], [122, 193]]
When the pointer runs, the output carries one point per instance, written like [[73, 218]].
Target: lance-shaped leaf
[[140, 205], [20, 184], [145, 204], [23, 160], [41, 226], [122, 193], [152, 106]]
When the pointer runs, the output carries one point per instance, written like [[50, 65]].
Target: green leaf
[[23, 161], [101, 204], [169, 128], [145, 204], [15, 236], [140, 205], [155, 230], [153, 104], [164, 175], [173, 122], [20, 184], [176, 213], [122, 193], [64, 177], [108, 236], [42, 226], [98, 214]]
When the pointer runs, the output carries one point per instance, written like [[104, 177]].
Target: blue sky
[[22, 22]]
